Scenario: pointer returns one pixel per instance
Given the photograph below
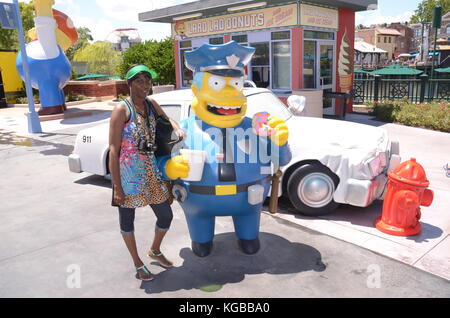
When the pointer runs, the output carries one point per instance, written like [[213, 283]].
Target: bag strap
[[150, 108], [129, 108], [132, 111], [149, 104]]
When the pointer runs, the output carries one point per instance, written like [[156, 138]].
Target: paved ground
[[59, 232], [430, 250]]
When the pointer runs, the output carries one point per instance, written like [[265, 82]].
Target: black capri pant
[[162, 211]]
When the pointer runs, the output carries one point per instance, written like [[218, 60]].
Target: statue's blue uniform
[[252, 157], [49, 76]]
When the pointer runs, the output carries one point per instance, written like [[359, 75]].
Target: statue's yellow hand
[[281, 132], [177, 167]]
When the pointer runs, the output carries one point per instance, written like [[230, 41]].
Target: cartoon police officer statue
[[238, 152]]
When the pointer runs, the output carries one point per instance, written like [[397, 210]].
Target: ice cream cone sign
[[345, 65]]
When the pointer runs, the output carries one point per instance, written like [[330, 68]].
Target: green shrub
[[385, 110], [71, 97], [434, 115], [121, 97], [24, 100], [157, 55]]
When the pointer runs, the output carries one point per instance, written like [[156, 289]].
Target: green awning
[[91, 76], [443, 70], [358, 71], [397, 70]]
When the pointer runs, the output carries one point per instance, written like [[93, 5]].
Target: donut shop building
[[300, 46]]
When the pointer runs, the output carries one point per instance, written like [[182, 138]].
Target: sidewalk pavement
[[13, 119], [429, 251]]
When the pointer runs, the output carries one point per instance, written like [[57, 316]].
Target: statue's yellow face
[[218, 100]]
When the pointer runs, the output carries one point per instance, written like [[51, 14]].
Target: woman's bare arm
[[119, 117]]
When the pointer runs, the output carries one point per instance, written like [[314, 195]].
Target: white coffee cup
[[196, 163]]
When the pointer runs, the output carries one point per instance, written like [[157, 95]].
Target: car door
[[173, 110]]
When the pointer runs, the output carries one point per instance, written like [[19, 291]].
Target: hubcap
[[316, 190]]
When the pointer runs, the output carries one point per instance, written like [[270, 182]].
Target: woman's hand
[[181, 135], [119, 196]]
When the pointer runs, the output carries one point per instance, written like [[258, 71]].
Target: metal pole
[[34, 125], [422, 47], [434, 52], [437, 23]]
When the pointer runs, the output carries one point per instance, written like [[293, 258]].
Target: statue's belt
[[231, 189]]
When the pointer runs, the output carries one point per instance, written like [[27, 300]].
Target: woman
[[136, 180]]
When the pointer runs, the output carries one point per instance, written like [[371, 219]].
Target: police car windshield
[[266, 102]]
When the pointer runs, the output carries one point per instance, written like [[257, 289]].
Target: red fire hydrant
[[406, 192]]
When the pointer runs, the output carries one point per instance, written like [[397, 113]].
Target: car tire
[[311, 188]]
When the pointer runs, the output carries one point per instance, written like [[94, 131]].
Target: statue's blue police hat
[[226, 59]]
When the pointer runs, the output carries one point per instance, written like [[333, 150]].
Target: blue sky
[[103, 16], [388, 11]]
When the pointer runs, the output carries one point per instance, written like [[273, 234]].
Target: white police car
[[333, 161]]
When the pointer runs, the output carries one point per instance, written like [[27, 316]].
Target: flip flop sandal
[[146, 278], [157, 257]]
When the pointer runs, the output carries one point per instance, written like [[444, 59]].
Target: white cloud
[[116, 14], [124, 14], [128, 10], [100, 27], [375, 17]]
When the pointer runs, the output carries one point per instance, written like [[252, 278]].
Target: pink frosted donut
[[260, 124]]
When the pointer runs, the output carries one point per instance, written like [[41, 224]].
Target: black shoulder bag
[[163, 132]]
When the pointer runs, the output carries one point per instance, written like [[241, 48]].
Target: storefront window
[[318, 35], [186, 74], [261, 64], [242, 39], [281, 51], [309, 64], [326, 64], [185, 44], [282, 35], [216, 41]]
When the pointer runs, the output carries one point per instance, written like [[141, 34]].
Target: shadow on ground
[[95, 115], [228, 265], [365, 119], [95, 180], [362, 217], [57, 149]]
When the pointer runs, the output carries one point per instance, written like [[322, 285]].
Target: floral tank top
[[141, 180]]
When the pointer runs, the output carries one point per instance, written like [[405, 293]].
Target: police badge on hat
[[225, 60]]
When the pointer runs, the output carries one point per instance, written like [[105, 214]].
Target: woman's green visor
[[140, 69]]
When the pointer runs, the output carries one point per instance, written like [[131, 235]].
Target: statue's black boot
[[202, 249]]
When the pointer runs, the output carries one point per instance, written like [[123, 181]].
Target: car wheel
[[311, 188]]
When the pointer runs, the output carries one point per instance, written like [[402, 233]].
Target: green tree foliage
[[425, 10], [84, 36], [9, 39], [158, 55], [100, 58]]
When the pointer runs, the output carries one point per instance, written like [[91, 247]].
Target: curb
[[68, 104]]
